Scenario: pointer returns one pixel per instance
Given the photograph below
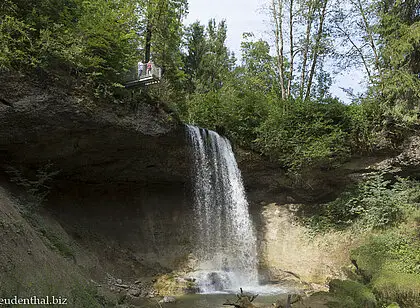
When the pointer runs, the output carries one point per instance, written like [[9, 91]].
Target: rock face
[[121, 194], [289, 252], [42, 124], [406, 163], [286, 250]]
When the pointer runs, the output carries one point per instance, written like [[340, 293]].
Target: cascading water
[[226, 243]]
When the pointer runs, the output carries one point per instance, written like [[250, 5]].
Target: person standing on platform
[[149, 68], [140, 67]]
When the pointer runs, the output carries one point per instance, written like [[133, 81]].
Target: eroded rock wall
[[119, 193], [287, 248], [135, 230]]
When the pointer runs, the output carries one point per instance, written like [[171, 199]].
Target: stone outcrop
[[289, 253], [406, 163], [43, 124], [120, 197]]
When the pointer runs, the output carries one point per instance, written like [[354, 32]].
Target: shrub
[[373, 204], [398, 287], [91, 39], [391, 260], [299, 134]]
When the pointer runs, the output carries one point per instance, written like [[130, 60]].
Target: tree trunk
[[148, 44], [289, 81], [277, 12], [315, 53], [306, 44]]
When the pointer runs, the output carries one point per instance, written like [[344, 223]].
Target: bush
[[373, 204], [91, 39], [15, 43], [300, 134], [231, 113], [391, 251]]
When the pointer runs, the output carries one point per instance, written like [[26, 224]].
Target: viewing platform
[[132, 79]]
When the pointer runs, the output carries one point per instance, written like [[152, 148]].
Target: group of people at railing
[[142, 66]]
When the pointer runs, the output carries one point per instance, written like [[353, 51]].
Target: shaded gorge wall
[[135, 230]]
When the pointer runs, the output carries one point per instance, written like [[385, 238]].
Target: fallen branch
[[243, 301]]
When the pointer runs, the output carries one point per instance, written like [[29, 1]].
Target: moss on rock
[[352, 294]]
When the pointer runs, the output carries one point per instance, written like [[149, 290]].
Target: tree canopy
[[276, 100]]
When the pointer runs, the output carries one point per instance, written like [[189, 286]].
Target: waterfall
[[226, 243]]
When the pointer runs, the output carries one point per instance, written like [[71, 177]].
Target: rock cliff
[[44, 124], [118, 202]]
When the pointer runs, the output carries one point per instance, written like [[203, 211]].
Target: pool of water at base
[[267, 295], [206, 301]]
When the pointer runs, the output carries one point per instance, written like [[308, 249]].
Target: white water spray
[[226, 243]]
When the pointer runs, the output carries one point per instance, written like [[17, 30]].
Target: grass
[[59, 244], [85, 295]]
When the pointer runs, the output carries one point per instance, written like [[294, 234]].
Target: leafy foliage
[[248, 109], [99, 40], [390, 259], [352, 293], [207, 61], [373, 203], [385, 214], [305, 133], [94, 40]]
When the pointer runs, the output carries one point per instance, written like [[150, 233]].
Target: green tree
[[301, 42], [94, 39], [257, 69], [160, 23], [107, 38], [207, 60], [399, 31], [195, 51]]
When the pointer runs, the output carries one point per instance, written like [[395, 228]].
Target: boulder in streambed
[[167, 299]]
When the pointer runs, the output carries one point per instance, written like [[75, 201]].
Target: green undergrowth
[[350, 294], [384, 216], [398, 287], [83, 295], [58, 243], [389, 262], [72, 289], [374, 203]]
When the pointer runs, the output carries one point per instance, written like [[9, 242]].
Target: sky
[[248, 16], [241, 16]]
